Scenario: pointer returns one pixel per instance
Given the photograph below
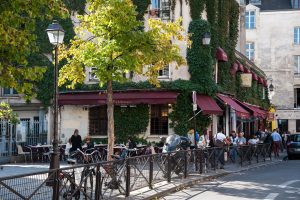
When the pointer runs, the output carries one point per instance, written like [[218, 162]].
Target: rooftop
[[267, 5]]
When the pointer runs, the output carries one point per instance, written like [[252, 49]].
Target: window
[[9, 92], [297, 97], [250, 51], [283, 125], [164, 73], [297, 35], [250, 20], [297, 64], [160, 9], [255, 2], [159, 120], [297, 125], [92, 75], [98, 121], [295, 4]]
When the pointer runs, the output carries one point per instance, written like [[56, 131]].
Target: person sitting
[[241, 140], [253, 140], [89, 145]]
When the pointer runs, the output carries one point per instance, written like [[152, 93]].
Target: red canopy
[[119, 97], [221, 55], [241, 67], [254, 76], [255, 110], [208, 105], [240, 112]]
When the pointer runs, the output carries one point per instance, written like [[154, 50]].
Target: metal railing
[[113, 179]]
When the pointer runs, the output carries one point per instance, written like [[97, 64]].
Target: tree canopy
[[17, 40], [110, 40]]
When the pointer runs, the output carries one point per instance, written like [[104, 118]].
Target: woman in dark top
[[76, 141]]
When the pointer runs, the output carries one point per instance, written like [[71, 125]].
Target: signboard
[[246, 80], [194, 96]]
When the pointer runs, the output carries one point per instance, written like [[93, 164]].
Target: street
[[274, 182]]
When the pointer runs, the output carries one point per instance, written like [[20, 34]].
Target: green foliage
[[6, 113], [131, 121], [141, 8], [182, 112], [75, 5], [199, 58], [196, 8], [18, 41]]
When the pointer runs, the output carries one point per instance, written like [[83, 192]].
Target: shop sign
[[246, 80]]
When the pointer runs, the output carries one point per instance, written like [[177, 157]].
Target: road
[[274, 182]]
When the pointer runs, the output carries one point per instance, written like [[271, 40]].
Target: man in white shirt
[[219, 141]]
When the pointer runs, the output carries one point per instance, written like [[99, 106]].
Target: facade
[[273, 43], [86, 110]]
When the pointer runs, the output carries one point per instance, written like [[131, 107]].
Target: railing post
[[169, 168], [215, 162], [201, 161], [98, 185], [264, 152], [127, 192], [241, 155], [56, 185], [150, 172], [185, 164]]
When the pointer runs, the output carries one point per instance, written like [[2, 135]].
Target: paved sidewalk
[[164, 188]]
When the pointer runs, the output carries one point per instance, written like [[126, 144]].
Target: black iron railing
[[109, 180]]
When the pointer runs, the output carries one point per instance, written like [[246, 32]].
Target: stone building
[[273, 43]]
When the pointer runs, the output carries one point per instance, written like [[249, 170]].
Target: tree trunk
[[110, 121]]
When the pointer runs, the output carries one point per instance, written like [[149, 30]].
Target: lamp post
[[205, 41], [56, 36]]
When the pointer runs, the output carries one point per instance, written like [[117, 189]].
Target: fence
[[27, 132], [116, 179]]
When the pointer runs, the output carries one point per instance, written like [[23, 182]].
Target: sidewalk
[[164, 188]]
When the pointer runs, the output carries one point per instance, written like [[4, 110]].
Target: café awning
[[208, 105], [221, 55], [120, 97], [255, 110], [240, 111]]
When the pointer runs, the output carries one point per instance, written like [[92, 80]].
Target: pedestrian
[[191, 137], [76, 141], [68, 147], [220, 141], [276, 138], [203, 140]]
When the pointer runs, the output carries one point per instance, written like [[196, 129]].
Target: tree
[[17, 40], [110, 40]]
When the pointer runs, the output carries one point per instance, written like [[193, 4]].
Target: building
[[86, 110], [273, 43]]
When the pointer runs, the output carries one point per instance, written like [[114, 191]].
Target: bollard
[[56, 185]]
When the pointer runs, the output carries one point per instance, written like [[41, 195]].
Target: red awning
[[221, 55], [120, 98], [256, 111], [208, 105], [241, 67], [240, 112]]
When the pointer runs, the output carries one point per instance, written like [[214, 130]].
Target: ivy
[[196, 8], [141, 7], [182, 113], [199, 58], [130, 121]]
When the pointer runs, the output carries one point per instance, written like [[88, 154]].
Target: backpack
[[218, 142]]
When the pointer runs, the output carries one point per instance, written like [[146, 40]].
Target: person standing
[[276, 138], [76, 141]]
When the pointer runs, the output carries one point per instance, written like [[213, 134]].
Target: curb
[[202, 179]]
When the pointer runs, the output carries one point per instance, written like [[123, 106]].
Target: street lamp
[[206, 39], [56, 36]]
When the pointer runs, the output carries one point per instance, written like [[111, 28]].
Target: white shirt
[[253, 141], [220, 136]]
